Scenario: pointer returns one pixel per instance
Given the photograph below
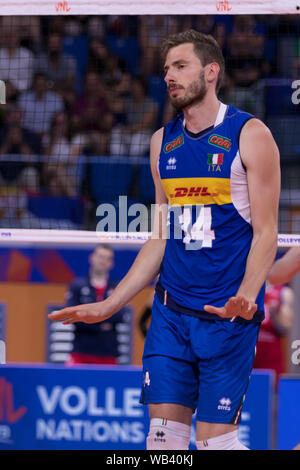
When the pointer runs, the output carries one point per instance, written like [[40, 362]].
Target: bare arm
[[261, 158], [285, 268], [144, 269], [283, 317]]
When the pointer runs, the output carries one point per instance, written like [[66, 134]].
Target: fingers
[[66, 315], [216, 310], [236, 306], [86, 313]]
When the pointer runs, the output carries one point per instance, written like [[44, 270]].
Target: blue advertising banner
[[255, 430], [71, 408], [288, 429], [97, 408]]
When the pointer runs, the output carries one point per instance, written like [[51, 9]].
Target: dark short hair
[[105, 246], [205, 47]]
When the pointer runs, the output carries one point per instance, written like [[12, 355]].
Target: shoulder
[[78, 283], [257, 144], [25, 53], [156, 141], [256, 128]]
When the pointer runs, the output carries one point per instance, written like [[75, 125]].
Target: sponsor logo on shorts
[[224, 404]]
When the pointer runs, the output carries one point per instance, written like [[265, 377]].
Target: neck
[[98, 276], [200, 116]]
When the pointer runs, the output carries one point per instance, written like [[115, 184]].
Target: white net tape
[[145, 7], [85, 237]]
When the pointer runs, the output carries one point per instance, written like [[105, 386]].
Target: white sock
[[228, 441], [165, 434]]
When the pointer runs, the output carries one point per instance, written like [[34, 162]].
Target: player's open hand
[[236, 306], [86, 313]]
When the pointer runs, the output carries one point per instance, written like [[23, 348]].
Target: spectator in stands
[[118, 94], [207, 24], [107, 65], [60, 68], [16, 62], [141, 112], [246, 65], [250, 99], [152, 29], [30, 31], [39, 105], [95, 343], [98, 142], [14, 117], [90, 107], [245, 51], [96, 26], [18, 172], [61, 170]]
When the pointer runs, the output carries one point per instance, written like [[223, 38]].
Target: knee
[[168, 435]]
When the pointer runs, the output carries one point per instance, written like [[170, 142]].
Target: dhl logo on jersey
[[192, 191]]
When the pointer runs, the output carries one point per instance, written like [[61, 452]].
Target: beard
[[195, 93]]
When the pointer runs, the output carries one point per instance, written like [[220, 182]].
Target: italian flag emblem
[[215, 158]]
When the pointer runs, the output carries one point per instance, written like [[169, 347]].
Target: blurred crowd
[[93, 86]]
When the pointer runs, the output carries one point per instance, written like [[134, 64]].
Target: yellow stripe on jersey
[[191, 191]]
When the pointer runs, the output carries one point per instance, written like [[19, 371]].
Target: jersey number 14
[[200, 230]]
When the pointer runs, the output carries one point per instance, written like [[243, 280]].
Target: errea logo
[[171, 164], [224, 404]]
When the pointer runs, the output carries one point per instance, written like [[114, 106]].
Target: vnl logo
[[2, 92], [8, 413]]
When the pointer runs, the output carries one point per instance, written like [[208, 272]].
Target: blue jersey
[[210, 231]]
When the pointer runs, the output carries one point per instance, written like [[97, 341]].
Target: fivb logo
[[2, 92]]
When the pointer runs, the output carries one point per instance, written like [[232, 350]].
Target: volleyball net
[[82, 91]]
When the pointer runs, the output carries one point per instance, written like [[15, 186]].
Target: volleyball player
[[218, 168]]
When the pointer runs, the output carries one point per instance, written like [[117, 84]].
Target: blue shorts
[[201, 364]]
